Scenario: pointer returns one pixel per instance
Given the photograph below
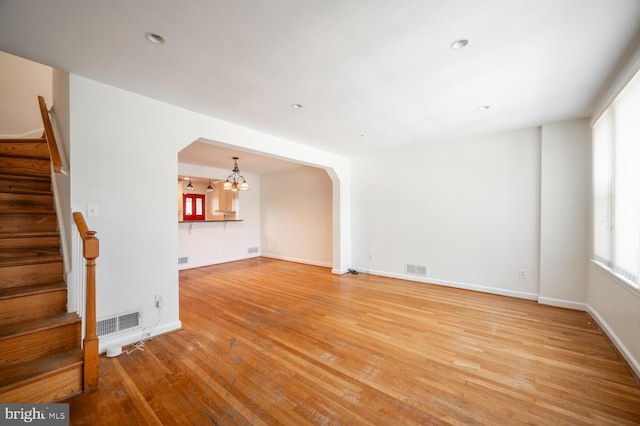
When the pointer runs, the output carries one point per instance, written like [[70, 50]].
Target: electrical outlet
[[159, 301], [523, 274]]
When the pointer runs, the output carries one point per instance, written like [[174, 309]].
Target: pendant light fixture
[[236, 181], [189, 187], [209, 188]]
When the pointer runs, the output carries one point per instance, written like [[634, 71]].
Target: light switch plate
[[92, 210]]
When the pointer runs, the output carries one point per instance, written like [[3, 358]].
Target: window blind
[[616, 184]]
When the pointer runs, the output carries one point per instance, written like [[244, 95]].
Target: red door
[[193, 206]]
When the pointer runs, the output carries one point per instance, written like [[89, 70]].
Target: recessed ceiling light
[[296, 106], [154, 38], [459, 44], [360, 135], [484, 107]]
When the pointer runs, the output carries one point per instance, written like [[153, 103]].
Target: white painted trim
[[76, 279], [134, 336], [633, 363], [296, 260], [215, 262], [568, 304], [339, 271], [464, 286], [66, 253]]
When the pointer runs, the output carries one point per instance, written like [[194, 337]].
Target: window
[[616, 185]]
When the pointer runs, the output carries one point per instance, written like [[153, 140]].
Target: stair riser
[[30, 346], [24, 184], [39, 202], [27, 223], [25, 166], [32, 306], [36, 332], [42, 244], [24, 148], [55, 387], [22, 275]]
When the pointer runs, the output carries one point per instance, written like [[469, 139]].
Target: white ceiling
[[203, 153], [383, 69]]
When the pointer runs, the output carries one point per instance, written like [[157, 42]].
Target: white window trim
[[619, 279]]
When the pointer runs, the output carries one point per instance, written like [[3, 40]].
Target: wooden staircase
[[43, 357]]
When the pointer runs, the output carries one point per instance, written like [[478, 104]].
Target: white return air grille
[[118, 323], [415, 270]]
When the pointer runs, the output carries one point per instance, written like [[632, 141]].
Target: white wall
[[21, 82], [123, 148], [209, 243], [61, 181], [615, 306], [564, 206], [477, 211], [296, 216], [467, 210]]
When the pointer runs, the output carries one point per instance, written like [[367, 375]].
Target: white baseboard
[[633, 363], [134, 336], [296, 260], [215, 262], [454, 284], [626, 354], [560, 303]]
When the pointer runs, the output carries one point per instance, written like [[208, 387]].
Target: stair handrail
[[90, 251], [56, 160]]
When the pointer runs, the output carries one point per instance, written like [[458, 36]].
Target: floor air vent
[[415, 270], [118, 323]]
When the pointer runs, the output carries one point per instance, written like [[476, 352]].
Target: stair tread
[[18, 176], [35, 254], [19, 140], [29, 234], [22, 212], [24, 148], [31, 259], [13, 374], [11, 292], [26, 192], [31, 325]]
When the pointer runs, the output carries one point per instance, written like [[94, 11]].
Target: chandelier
[[236, 181], [189, 187]]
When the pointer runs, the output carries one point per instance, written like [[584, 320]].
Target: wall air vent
[[118, 323], [415, 270], [183, 260], [253, 250]]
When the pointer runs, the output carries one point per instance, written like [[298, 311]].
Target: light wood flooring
[[268, 342]]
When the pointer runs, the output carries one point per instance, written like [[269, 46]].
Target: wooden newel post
[[90, 342]]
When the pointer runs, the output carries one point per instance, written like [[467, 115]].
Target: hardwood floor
[[268, 342]]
